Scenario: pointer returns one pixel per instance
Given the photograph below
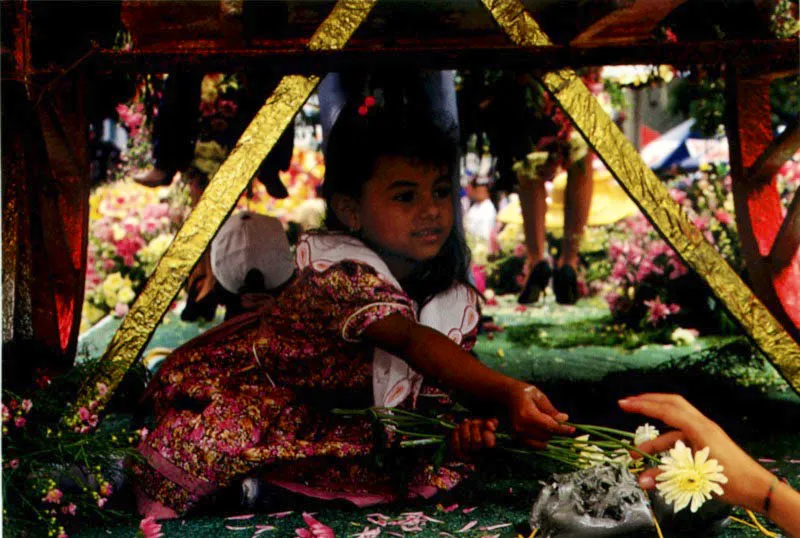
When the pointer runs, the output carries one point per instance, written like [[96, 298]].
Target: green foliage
[[55, 478], [586, 333], [704, 100]]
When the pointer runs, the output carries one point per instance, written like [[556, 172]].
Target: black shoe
[[536, 283], [565, 285]]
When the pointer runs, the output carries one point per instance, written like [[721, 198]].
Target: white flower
[[689, 479], [645, 433], [589, 455], [683, 337]]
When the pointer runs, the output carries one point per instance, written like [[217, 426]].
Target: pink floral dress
[[254, 396]]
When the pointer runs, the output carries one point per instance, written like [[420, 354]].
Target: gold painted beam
[[217, 202], [652, 197]]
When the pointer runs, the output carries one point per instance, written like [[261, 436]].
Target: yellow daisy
[[689, 478]]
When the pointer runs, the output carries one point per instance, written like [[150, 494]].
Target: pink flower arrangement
[[130, 228], [132, 117]]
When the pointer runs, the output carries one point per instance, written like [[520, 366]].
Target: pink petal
[[766, 460], [281, 514], [468, 510], [232, 528], [239, 518], [450, 508], [468, 526], [264, 527], [426, 518], [303, 533], [495, 527]]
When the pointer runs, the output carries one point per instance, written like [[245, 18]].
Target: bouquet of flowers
[[597, 446]]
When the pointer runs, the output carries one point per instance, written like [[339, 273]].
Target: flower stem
[[603, 429], [622, 444]]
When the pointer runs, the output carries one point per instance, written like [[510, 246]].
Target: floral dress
[[254, 396]]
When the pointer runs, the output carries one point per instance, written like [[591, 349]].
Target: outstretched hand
[[748, 482], [533, 418]]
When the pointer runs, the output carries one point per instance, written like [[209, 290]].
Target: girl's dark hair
[[357, 140]]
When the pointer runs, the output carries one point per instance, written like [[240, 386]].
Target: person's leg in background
[[533, 203], [175, 128], [577, 203]]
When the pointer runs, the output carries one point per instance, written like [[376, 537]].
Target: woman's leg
[[533, 202], [577, 202]]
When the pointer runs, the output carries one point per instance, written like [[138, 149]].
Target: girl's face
[[405, 209]]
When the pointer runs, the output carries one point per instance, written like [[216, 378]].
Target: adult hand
[[533, 418], [748, 482]]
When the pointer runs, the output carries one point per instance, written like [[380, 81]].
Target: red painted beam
[[778, 152], [787, 242], [759, 212]]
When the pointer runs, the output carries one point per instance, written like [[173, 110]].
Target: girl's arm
[[434, 355]]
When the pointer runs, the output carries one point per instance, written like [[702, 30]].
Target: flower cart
[[54, 54]]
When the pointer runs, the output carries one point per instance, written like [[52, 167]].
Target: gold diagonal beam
[[216, 203], [652, 197]]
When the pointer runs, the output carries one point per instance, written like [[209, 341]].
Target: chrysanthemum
[[689, 478]]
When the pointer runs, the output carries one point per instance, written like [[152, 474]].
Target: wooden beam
[[628, 24], [777, 153], [293, 57], [785, 248]]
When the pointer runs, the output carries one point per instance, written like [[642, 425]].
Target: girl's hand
[[748, 482], [533, 417], [473, 435]]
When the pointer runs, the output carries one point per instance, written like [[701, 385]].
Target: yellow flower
[[118, 232], [126, 295], [111, 285], [689, 478]]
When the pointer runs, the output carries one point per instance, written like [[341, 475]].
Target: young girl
[[383, 291]]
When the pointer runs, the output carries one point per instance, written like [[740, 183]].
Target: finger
[[647, 479], [489, 439], [475, 436], [666, 410], [455, 444], [661, 443], [542, 421], [541, 400], [464, 433]]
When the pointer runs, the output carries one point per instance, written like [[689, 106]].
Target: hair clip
[[369, 102]]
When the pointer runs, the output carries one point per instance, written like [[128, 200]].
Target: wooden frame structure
[[611, 34]]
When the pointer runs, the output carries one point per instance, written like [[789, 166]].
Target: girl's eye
[[403, 196], [441, 193]]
